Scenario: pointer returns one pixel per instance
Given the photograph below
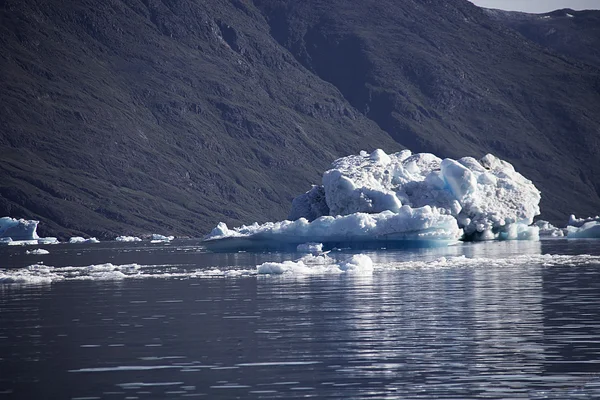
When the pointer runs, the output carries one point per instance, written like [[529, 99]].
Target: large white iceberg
[[18, 229], [406, 197]]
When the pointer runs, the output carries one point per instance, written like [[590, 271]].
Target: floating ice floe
[[128, 239], [310, 247], [156, 238], [549, 230], [402, 198], [321, 264], [308, 265], [37, 252], [79, 239], [48, 240], [580, 228]]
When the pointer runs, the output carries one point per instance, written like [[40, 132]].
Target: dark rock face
[[140, 116], [130, 116], [445, 77], [575, 34]]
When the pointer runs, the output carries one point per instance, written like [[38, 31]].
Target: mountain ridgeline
[[140, 116]]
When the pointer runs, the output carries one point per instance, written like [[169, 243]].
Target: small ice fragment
[[37, 252], [79, 239], [310, 247], [162, 238], [128, 239], [358, 264]]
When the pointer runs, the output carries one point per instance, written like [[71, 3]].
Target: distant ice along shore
[[403, 198], [24, 232]]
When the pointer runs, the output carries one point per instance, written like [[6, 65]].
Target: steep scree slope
[[131, 116]]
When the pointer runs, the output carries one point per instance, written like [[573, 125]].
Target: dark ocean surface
[[503, 320]]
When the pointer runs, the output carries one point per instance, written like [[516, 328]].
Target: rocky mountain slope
[[134, 116], [130, 116], [572, 33]]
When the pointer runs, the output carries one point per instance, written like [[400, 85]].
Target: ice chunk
[[403, 197], [37, 252], [161, 238], [310, 247], [79, 239], [421, 225], [547, 229], [18, 229], [307, 265], [48, 240], [486, 197], [128, 239], [32, 242], [590, 230], [358, 264], [578, 222]]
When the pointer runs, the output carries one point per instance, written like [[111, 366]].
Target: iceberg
[[549, 230], [310, 247], [18, 229], [157, 238], [128, 239], [37, 252], [583, 228], [402, 198], [79, 239], [408, 227], [359, 264]]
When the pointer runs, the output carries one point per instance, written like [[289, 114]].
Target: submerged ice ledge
[[402, 198]]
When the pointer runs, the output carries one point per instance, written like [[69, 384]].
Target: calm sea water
[[166, 321]]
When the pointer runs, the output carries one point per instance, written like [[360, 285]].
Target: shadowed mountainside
[[442, 76], [139, 116], [573, 33], [128, 116]]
